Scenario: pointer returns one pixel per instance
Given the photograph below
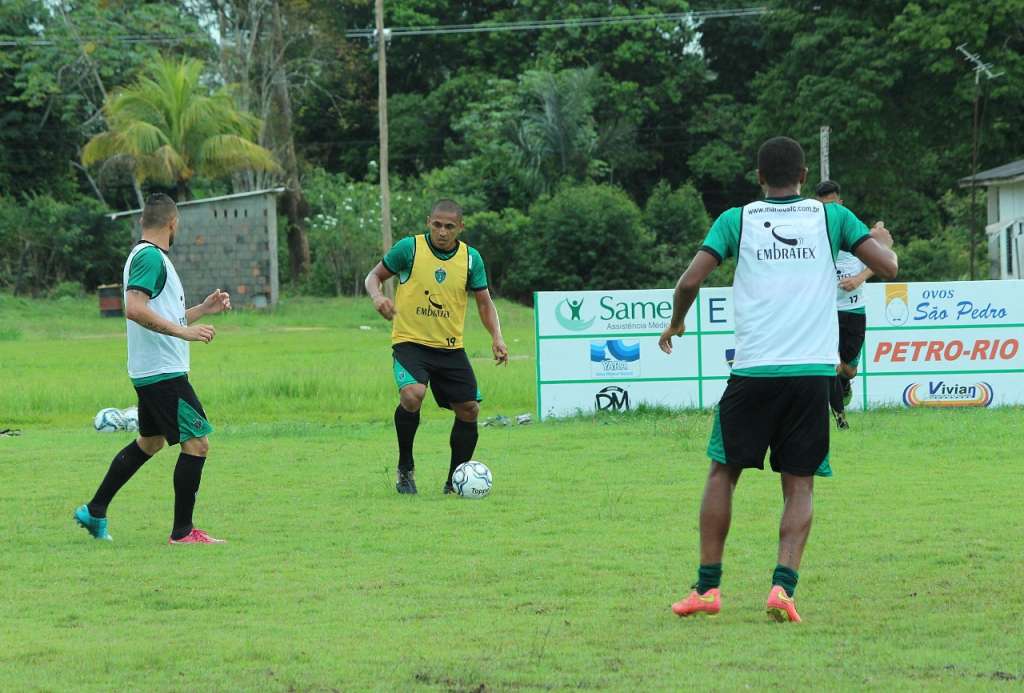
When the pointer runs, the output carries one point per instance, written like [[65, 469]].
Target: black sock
[[708, 576], [406, 423], [463, 442], [835, 395], [122, 468], [786, 578], [187, 474]]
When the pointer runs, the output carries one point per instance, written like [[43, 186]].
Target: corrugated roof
[[234, 196], [1003, 173]]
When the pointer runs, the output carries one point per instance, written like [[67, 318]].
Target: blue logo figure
[[440, 275]]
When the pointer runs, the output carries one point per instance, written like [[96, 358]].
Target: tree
[[61, 72], [269, 48], [558, 136], [888, 80], [169, 128]]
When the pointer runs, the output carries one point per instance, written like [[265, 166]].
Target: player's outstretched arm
[[137, 310], [217, 302], [374, 283], [877, 253], [703, 264], [489, 317]]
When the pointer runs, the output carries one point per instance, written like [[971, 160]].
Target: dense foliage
[[584, 156]]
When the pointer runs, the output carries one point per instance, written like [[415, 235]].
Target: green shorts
[[447, 371], [170, 408], [787, 415]]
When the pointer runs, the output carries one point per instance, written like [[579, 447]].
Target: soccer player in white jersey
[[786, 355], [159, 330], [851, 274]]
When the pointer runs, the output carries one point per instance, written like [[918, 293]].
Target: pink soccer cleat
[[781, 606], [196, 536], [707, 604]]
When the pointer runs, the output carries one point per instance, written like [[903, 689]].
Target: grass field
[[561, 579]]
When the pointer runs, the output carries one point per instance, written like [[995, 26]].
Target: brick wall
[[228, 244]]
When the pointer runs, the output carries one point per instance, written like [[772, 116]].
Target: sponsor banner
[[716, 310], [971, 349], [942, 304], [609, 359], [567, 399], [948, 391], [582, 313], [930, 345], [717, 354]]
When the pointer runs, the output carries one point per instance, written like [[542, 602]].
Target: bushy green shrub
[[344, 225], [679, 223], [584, 237], [944, 257], [499, 237], [44, 241]]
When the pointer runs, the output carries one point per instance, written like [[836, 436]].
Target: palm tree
[[170, 128], [560, 137]]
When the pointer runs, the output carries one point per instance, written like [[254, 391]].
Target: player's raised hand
[[385, 307], [665, 341], [500, 353], [199, 333], [881, 234], [217, 302]]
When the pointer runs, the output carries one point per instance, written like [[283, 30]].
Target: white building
[[1005, 229]]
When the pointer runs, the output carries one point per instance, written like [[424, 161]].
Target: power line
[[7, 42], [446, 29], [571, 23]]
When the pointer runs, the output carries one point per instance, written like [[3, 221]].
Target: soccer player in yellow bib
[[436, 273]]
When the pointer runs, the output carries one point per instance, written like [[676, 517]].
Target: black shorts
[[788, 415], [447, 371], [170, 408], [851, 336]]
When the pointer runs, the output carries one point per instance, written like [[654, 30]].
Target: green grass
[[560, 579], [311, 360]]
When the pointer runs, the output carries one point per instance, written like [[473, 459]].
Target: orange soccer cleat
[[708, 604], [196, 536], [781, 606]]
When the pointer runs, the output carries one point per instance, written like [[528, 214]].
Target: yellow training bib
[[431, 304]]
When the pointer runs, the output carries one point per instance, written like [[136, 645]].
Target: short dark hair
[[780, 161], [446, 206], [158, 211], [826, 187]]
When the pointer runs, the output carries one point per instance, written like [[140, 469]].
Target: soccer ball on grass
[[109, 419], [472, 479]]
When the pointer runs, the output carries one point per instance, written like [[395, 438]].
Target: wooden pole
[[973, 231], [382, 111], [823, 136]]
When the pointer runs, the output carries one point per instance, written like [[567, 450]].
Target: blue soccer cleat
[[96, 526]]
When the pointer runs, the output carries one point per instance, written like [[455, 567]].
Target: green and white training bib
[[785, 283], [849, 265], [149, 270]]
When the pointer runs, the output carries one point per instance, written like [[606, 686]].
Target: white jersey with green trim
[[151, 353], [784, 287], [849, 265]]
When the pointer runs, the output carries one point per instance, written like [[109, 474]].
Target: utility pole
[[823, 136], [382, 111], [980, 66]]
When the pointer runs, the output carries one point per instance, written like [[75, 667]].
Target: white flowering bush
[[344, 228]]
